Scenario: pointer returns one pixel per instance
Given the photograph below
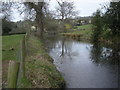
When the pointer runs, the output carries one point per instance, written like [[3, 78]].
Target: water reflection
[[66, 49], [109, 56], [80, 63], [100, 54]]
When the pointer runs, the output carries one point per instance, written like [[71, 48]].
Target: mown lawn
[[9, 42]]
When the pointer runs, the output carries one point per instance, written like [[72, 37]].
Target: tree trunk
[[39, 19]]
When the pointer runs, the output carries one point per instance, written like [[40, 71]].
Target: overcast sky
[[84, 7]]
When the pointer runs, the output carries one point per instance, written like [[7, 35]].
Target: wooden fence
[[13, 74]]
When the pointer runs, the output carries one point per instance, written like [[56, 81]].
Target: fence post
[[12, 74], [23, 54]]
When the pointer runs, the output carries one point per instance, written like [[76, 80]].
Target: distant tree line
[[44, 19], [7, 26], [10, 28]]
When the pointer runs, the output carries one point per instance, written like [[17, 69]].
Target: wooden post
[[27, 35], [12, 74], [23, 54]]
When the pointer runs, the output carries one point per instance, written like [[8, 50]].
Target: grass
[[84, 34], [40, 70], [85, 27], [11, 41]]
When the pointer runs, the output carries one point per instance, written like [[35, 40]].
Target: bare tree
[[5, 10], [65, 9], [33, 10], [39, 15]]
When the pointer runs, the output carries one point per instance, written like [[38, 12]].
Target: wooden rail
[[13, 74]]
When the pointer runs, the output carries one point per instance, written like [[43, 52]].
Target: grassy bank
[[40, 71], [83, 34]]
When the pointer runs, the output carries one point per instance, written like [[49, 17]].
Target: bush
[[6, 27], [97, 26], [51, 25]]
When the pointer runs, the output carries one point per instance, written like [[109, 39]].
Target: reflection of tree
[[106, 55], [63, 47], [66, 48], [115, 55], [96, 53], [50, 41], [60, 43]]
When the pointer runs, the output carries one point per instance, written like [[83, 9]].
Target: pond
[[84, 65]]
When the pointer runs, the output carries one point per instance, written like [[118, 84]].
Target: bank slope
[[40, 70]]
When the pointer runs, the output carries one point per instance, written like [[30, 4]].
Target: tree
[[112, 17], [39, 17], [7, 26], [65, 10], [97, 26], [5, 10], [34, 9], [47, 12], [50, 23]]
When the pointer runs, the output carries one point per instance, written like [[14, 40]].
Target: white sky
[[84, 7]]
